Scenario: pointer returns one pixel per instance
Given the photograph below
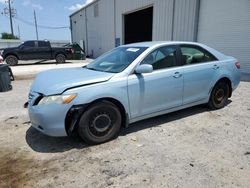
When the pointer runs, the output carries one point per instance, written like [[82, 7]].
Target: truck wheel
[[60, 58], [219, 96], [11, 60], [100, 123]]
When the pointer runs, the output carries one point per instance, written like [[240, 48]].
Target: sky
[[50, 14]]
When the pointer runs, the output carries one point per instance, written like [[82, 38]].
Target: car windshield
[[116, 60]]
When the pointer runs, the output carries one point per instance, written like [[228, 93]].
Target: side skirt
[[167, 111]]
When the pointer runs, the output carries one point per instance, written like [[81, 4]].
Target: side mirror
[[145, 68]]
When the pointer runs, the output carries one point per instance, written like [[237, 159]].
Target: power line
[[40, 26]]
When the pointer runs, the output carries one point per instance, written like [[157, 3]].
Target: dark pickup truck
[[36, 49]]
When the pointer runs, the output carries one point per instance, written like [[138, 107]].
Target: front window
[[161, 58], [30, 44], [116, 60]]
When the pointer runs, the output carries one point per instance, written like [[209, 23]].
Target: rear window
[[43, 44], [195, 54]]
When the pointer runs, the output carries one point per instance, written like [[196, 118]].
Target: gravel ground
[[189, 148]]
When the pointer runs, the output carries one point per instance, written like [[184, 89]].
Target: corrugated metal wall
[[100, 27], [78, 27], [225, 25], [185, 20], [172, 20]]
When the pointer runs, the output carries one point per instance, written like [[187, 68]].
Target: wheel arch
[[59, 52], [228, 81], [8, 54], [75, 112]]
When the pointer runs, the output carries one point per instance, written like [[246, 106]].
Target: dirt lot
[[190, 148]]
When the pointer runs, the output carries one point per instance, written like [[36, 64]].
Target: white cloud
[[79, 6], [29, 3], [2, 1]]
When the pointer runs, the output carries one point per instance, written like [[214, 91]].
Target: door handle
[[177, 75], [215, 67]]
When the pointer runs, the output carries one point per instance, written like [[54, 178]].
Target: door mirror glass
[[145, 68]]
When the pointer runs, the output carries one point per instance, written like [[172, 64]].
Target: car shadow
[[43, 62], [42, 143], [46, 144], [164, 119]]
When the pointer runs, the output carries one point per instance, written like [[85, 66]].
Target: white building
[[221, 24]]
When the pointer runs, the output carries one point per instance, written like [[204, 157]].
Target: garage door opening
[[138, 26]]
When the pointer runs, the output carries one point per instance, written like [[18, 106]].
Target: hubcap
[[11, 60], [100, 124], [59, 59], [219, 95]]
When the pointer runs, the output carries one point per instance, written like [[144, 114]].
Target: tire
[[11, 60], [219, 96], [100, 123], [60, 58]]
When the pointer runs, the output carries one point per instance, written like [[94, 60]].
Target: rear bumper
[[236, 80]]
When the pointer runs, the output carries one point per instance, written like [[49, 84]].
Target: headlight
[[59, 99], [1, 52]]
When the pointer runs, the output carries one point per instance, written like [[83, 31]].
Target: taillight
[[237, 64]]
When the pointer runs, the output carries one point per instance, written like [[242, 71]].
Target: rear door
[[199, 70], [159, 90], [43, 50]]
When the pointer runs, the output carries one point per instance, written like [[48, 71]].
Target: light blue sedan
[[128, 84]]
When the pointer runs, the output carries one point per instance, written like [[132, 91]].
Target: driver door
[[160, 90], [26, 50]]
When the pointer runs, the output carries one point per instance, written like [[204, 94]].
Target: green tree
[[8, 36]]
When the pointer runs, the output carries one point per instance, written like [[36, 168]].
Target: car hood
[[56, 81], [7, 49]]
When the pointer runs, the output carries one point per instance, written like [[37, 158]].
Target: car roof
[[36, 41], [156, 43]]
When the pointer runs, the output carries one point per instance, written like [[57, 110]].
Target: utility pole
[[19, 36], [10, 13], [36, 25]]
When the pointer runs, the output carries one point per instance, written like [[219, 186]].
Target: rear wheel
[[100, 123], [219, 95], [11, 60], [60, 58]]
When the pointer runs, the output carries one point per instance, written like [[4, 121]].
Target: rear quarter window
[[43, 44]]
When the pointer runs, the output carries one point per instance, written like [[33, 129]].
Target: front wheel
[[219, 96], [60, 58], [100, 123], [11, 60]]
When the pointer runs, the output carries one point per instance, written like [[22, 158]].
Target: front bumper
[[48, 119]]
